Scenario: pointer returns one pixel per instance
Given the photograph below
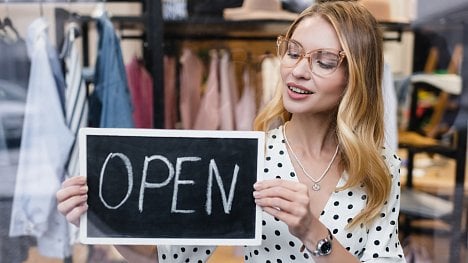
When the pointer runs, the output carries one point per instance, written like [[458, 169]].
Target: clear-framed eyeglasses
[[322, 62]]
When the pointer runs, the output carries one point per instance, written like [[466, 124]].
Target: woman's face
[[307, 90]]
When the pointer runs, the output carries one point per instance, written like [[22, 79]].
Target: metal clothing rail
[[62, 16]]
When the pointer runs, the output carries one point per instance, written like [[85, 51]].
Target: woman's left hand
[[288, 201]]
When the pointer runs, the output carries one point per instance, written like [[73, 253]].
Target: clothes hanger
[[100, 10], [8, 24], [3, 32], [72, 31]]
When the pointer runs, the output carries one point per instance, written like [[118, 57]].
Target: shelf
[[220, 29], [202, 29]]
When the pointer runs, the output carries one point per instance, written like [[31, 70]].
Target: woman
[[331, 191]]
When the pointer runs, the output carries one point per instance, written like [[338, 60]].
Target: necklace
[[316, 185]]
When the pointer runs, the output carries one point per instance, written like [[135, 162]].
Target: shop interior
[[424, 44]]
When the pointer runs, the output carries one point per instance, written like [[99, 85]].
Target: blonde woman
[[331, 191]]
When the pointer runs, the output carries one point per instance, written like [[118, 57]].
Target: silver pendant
[[315, 187]]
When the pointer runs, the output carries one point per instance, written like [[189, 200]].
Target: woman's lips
[[299, 90], [297, 93]]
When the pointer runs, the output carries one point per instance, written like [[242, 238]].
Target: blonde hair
[[359, 129]]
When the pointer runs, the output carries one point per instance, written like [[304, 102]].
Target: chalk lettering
[[227, 204], [213, 174], [145, 184], [177, 182], [128, 165]]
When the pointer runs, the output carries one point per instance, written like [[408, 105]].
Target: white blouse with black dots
[[377, 242]]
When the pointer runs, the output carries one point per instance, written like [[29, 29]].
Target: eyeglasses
[[322, 62]]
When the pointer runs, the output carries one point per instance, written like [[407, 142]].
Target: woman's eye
[[325, 64], [326, 60], [293, 55]]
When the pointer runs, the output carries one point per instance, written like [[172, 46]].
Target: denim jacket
[[110, 104]]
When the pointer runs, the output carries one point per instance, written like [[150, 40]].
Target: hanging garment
[[110, 104], [170, 97], [57, 71], [14, 74], [226, 85], [390, 109], [190, 85], [46, 141], [270, 78], [246, 107], [233, 83], [140, 84], [76, 97], [14, 62], [4, 158], [208, 117], [76, 117], [12, 249]]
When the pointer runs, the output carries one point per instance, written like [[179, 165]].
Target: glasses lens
[[289, 52], [324, 62]]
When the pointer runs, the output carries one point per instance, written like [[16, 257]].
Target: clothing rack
[[62, 16], [151, 23]]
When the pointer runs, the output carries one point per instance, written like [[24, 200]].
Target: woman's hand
[[288, 201], [71, 199]]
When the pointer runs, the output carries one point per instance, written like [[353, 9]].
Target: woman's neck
[[314, 134]]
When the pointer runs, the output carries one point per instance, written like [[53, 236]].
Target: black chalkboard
[[171, 186]]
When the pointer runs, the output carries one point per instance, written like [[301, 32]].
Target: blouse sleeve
[[383, 244], [184, 253]]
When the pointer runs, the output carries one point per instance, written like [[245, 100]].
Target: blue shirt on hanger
[[110, 104]]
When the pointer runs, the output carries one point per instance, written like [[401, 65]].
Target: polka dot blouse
[[377, 242]]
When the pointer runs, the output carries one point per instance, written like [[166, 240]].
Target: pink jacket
[[190, 86], [208, 117], [246, 107], [141, 90], [170, 99]]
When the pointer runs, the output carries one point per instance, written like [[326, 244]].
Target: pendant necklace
[[316, 185]]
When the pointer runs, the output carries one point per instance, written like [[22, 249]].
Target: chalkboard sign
[[149, 186]]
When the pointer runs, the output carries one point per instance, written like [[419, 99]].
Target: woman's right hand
[[72, 197]]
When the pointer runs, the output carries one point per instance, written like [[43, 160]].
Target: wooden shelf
[[202, 29], [218, 28]]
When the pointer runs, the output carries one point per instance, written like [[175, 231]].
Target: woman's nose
[[302, 69]]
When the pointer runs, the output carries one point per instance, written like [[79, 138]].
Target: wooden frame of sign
[[186, 187]]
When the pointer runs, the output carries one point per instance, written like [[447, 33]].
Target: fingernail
[[256, 194]]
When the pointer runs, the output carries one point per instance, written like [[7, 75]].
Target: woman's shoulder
[[392, 160], [274, 135], [390, 155]]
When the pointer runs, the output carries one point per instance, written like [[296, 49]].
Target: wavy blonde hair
[[359, 117]]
